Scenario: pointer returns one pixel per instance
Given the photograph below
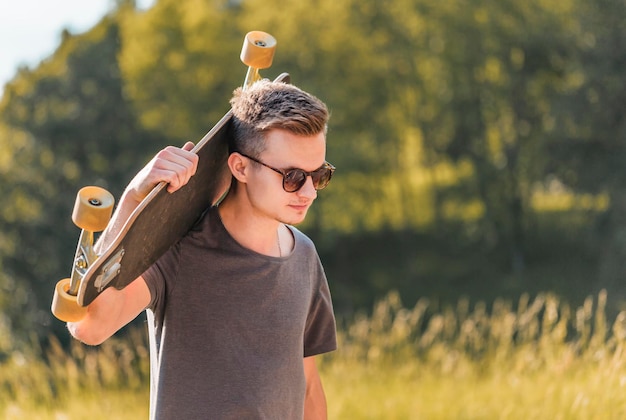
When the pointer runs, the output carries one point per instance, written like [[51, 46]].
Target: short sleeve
[[159, 276], [320, 335]]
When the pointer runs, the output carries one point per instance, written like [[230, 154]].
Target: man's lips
[[300, 207]]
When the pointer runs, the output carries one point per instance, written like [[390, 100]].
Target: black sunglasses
[[294, 179]]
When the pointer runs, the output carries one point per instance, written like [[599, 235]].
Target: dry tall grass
[[540, 360]]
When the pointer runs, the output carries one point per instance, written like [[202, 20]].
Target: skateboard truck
[[94, 207], [109, 271], [92, 212], [257, 53]]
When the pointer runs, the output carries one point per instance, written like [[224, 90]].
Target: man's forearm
[[315, 407], [171, 165]]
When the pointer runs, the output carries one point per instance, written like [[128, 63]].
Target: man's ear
[[238, 166]]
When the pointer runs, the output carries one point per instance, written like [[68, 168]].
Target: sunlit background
[[474, 233], [30, 30]]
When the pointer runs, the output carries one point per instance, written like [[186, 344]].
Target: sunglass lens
[[321, 178], [294, 180]]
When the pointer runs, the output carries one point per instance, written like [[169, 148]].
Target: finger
[[172, 165], [183, 156], [175, 166], [176, 159], [193, 156]]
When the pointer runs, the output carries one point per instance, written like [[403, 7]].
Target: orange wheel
[[258, 50], [93, 209], [65, 306]]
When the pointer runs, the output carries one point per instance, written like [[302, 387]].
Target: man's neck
[[250, 229]]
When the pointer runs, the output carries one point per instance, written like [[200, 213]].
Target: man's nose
[[308, 190]]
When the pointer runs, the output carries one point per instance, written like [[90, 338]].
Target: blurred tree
[[588, 142], [447, 118], [437, 115], [180, 65], [64, 125], [356, 57]]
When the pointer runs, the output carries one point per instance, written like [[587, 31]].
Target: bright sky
[[30, 30]]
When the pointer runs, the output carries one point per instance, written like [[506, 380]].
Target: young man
[[237, 309]]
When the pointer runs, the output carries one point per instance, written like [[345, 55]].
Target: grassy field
[[537, 359]]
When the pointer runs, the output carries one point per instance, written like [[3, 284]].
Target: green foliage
[[179, 61], [451, 123], [62, 125], [588, 145]]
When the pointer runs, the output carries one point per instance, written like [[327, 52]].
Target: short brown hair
[[268, 105]]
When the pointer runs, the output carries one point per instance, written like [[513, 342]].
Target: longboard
[[162, 218]]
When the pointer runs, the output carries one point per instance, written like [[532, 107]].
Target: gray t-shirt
[[229, 327]]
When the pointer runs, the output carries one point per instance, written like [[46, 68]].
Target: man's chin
[[295, 219]]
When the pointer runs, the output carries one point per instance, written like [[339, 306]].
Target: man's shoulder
[[302, 240]]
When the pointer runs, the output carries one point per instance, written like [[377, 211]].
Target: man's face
[[285, 151]]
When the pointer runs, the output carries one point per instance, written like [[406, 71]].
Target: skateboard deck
[[161, 219]]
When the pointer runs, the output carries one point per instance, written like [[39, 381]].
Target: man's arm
[[113, 309], [110, 311], [172, 165], [315, 400]]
